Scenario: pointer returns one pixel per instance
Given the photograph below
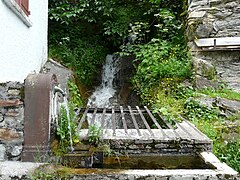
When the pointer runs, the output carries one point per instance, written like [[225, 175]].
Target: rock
[[231, 5], [16, 150], [2, 152], [202, 82], [204, 68], [206, 101], [9, 134], [204, 30], [63, 74], [230, 137], [228, 105], [197, 14], [225, 105], [215, 2], [9, 103], [205, 73], [223, 14], [14, 92]]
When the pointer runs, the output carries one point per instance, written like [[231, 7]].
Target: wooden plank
[[103, 120], [196, 131], [109, 110], [144, 121], [223, 41], [82, 119], [94, 116], [123, 119], [113, 122], [154, 120], [184, 130], [134, 121]]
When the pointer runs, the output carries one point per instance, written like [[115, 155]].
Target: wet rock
[[126, 95]]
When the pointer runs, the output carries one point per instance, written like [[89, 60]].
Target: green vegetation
[[75, 95], [84, 58], [81, 33], [66, 132], [223, 131], [49, 172], [221, 92], [94, 134]]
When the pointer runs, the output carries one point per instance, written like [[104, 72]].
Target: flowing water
[[65, 105], [105, 93]]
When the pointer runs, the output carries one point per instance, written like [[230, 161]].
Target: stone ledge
[[18, 170]]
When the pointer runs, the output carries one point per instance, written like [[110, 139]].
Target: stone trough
[[167, 152]]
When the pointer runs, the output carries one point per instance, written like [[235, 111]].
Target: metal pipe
[[58, 89]]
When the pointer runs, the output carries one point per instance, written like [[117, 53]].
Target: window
[[24, 5], [21, 9]]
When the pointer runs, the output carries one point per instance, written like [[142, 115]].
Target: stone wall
[[214, 19], [156, 147], [11, 120]]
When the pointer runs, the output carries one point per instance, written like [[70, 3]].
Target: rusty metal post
[[37, 115]]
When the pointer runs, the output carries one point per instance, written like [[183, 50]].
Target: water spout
[[58, 89]]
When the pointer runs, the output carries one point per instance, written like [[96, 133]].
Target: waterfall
[[105, 93]]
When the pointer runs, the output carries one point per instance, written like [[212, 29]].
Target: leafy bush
[[84, 58], [160, 59], [195, 110]]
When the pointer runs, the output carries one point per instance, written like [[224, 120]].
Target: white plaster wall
[[23, 49]]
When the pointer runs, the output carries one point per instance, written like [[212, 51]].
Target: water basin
[[156, 162]]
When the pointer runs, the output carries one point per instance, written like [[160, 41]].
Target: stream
[[105, 93]]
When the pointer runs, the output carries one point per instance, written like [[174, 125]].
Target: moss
[[209, 72]]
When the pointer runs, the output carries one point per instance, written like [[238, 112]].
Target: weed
[[64, 129], [94, 134], [195, 110], [75, 96]]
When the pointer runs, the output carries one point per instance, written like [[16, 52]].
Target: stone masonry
[[214, 19], [11, 120]]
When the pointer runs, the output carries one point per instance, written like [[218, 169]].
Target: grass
[[223, 93], [175, 99], [226, 149]]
